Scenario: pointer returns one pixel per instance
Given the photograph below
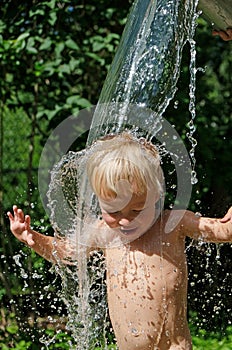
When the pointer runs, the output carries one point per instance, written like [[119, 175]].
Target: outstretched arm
[[208, 229], [21, 229], [53, 249], [224, 35]]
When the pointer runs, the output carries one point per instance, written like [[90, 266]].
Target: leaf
[[64, 68], [59, 48], [84, 103], [53, 18], [2, 26], [96, 58], [72, 99], [12, 329], [38, 68], [33, 13], [20, 43], [51, 66], [51, 4], [71, 44], [112, 36], [46, 44], [23, 36], [32, 50], [97, 46], [25, 97], [74, 64], [51, 113], [30, 46], [9, 77], [78, 100]]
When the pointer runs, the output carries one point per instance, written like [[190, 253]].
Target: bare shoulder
[[182, 223], [189, 223], [174, 222], [177, 219]]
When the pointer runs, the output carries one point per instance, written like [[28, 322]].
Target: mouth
[[127, 231]]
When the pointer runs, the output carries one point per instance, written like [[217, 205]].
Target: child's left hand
[[228, 216], [20, 226], [224, 35]]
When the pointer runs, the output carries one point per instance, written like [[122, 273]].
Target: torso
[[147, 292]]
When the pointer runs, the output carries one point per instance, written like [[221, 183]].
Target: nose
[[124, 221]]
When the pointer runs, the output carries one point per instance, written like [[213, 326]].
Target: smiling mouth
[[127, 231]]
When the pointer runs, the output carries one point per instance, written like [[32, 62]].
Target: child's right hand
[[228, 216], [20, 226]]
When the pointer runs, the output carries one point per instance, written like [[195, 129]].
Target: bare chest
[[144, 273]]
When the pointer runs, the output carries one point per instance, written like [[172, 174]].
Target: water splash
[[83, 277], [144, 74], [208, 280]]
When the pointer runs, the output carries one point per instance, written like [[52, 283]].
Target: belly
[[147, 300]]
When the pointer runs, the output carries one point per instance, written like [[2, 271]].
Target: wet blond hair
[[124, 157]]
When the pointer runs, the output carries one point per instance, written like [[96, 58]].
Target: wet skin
[[147, 278], [133, 219], [147, 291]]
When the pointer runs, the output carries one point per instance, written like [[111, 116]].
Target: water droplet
[[135, 332], [194, 179]]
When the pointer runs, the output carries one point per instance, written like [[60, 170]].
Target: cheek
[[147, 214], [109, 220]]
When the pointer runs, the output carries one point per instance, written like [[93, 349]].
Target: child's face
[[130, 214]]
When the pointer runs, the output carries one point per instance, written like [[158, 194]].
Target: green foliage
[[47, 68], [212, 341], [61, 340], [8, 331]]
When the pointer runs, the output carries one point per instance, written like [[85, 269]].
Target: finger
[[223, 220], [20, 215], [10, 216], [226, 218], [27, 221], [15, 211]]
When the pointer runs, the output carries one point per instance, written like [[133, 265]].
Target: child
[[147, 274]]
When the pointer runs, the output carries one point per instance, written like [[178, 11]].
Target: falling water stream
[[139, 86], [146, 66]]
